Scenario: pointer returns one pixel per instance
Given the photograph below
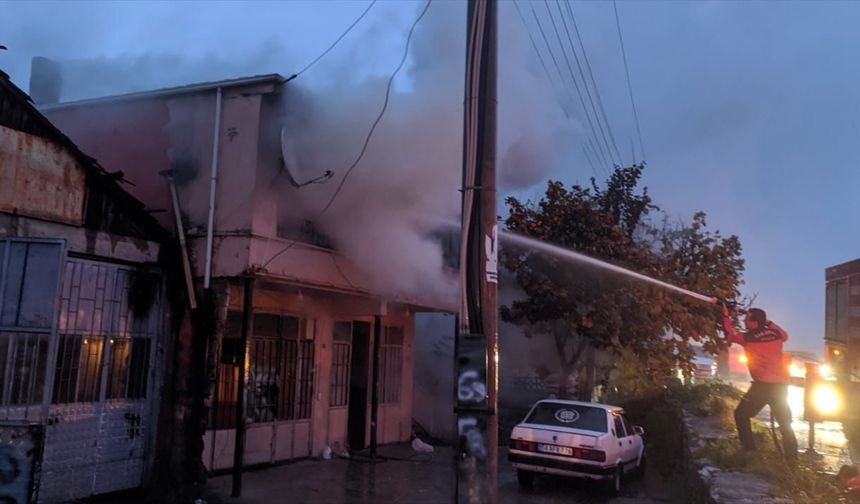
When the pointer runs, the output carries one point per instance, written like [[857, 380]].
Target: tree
[[582, 307]]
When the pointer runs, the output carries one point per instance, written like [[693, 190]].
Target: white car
[[577, 439]]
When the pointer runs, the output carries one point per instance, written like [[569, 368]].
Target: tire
[[641, 465], [526, 479], [614, 485]]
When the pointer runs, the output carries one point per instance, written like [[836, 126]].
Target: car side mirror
[[639, 430]]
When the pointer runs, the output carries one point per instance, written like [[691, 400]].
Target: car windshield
[[574, 416]]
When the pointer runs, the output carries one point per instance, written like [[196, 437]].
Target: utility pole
[[476, 352]]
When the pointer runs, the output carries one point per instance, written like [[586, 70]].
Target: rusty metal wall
[[38, 178]]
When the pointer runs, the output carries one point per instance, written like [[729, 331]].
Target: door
[[100, 418], [358, 386], [634, 442]]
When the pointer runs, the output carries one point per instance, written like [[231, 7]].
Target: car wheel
[[640, 467], [615, 484], [526, 479]]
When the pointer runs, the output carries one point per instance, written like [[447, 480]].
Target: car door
[[633, 441], [621, 450]]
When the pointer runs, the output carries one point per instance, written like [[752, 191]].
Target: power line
[[588, 66], [629, 85], [575, 83], [342, 35], [587, 157], [372, 128], [534, 45], [558, 69], [585, 83]]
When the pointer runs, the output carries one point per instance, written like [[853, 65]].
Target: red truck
[[842, 339]]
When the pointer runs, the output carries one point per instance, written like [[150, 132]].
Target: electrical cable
[[370, 132], [576, 84], [587, 62], [602, 155], [629, 85], [342, 35], [585, 83]]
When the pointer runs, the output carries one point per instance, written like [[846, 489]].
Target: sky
[[748, 110]]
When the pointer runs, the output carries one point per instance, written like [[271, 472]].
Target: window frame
[[40, 400], [391, 366]]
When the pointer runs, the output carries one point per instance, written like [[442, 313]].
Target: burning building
[[323, 329], [83, 339]]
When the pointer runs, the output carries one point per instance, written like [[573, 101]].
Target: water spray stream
[[576, 256], [579, 257]]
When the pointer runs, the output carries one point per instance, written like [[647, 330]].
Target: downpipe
[[213, 183]]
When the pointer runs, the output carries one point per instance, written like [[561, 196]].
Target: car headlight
[[826, 399]]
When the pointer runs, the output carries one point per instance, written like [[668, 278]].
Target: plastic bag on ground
[[421, 446]]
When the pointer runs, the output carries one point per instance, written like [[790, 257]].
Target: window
[[391, 365], [340, 365], [568, 415], [298, 371], [128, 368], [836, 326], [280, 378], [29, 273], [104, 328], [627, 427], [619, 426], [265, 359], [78, 374], [227, 374], [23, 359]]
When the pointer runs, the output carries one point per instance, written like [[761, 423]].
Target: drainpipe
[[180, 230], [213, 182]]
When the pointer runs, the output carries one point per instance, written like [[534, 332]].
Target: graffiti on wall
[[20, 451]]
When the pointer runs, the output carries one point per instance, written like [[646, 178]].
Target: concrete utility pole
[[476, 352]]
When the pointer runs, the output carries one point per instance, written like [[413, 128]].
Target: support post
[[239, 448]]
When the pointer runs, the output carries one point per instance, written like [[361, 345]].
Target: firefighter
[[762, 342]]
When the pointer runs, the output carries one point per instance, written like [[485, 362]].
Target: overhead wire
[[534, 46], [585, 83], [629, 85], [587, 61], [576, 84], [342, 35], [369, 133], [602, 155]]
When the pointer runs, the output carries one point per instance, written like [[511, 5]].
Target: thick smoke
[[411, 171]]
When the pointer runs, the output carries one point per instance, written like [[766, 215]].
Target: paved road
[[419, 479]]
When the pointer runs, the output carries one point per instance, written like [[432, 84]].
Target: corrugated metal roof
[[18, 112], [274, 79]]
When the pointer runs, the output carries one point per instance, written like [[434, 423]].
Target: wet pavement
[[830, 441], [407, 477]]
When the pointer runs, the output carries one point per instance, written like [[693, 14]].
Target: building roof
[[18, 112], [273, 79]]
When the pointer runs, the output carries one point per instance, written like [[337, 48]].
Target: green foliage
[[805, 484], [715, 399], [660, 414], [582, 307]]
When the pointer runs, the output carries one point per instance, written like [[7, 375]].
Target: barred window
[[23, 359], [391, 365], [264, 378], [29, 273], [128, 368], [281, 359], [340, 365], [79, 365]]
